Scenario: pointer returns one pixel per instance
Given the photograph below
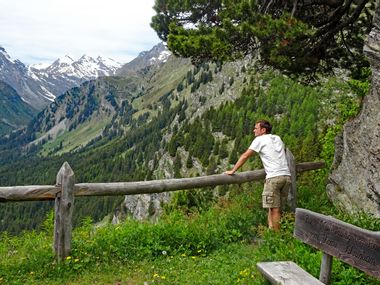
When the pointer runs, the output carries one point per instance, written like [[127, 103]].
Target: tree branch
[[294, 7], [332, 26], [332, 31], [268, 6], [330, 3]]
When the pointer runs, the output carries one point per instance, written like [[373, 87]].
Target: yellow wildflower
[[244, 272]]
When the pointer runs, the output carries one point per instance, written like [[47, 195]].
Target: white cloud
[[43, 30]]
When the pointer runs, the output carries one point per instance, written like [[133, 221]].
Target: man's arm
[[242, 159]]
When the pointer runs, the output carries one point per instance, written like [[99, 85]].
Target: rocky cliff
[[355, 178]]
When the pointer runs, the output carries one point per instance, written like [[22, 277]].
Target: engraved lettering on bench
[[356, 246], [362, 256]]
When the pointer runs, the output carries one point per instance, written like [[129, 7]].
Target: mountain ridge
[[86, 66], [154, 126], [105, 101], [38, 85], [14, 112]]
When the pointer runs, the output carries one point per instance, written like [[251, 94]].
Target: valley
[[186, 108]]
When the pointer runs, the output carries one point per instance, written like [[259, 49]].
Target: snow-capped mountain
[[16, 74], [158, 55], [65, 72], [38, 85], [85, 67], [104, 106]]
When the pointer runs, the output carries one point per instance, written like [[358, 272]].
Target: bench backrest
[[353, 245]]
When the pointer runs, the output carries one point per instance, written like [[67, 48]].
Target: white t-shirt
[[272, 153]]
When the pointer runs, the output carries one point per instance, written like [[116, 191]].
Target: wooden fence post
[[293, 189], [64, 202]]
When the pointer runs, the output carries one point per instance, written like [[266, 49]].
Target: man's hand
[[243, 158]]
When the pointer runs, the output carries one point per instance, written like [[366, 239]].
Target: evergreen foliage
[[123, 159], [292, 36], [293, 108], [215, 139], [202, 228]]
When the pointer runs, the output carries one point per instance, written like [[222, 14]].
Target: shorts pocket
[[268, 199]]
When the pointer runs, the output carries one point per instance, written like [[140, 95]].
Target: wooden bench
[[358, 247]]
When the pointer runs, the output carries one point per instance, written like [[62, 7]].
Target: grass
[[233, 264], [76, 138], [220, 245], [163, 83]]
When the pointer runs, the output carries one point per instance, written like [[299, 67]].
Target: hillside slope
[[192, 131], [14, 112], [114, 125]]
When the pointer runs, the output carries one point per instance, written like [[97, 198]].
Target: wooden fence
[[65, 190]]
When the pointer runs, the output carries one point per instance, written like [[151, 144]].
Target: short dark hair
[[266, 125]]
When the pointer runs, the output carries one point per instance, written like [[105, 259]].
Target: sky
[[41, 31]]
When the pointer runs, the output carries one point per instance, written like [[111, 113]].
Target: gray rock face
[[141, 207], [146, 206], [354, 182]]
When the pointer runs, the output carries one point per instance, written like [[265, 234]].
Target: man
[[271, 150]]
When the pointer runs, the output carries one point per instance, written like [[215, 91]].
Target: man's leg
[[270, 224], [274, 218], [272, 201]]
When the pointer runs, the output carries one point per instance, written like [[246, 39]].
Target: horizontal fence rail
[[47, 192], [65, 190], [29, 193]]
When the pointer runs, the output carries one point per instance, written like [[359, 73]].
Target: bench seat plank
[[286, 273]]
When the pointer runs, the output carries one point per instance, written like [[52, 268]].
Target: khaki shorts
[[276, 191]]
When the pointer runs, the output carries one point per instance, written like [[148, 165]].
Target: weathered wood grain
[[286, 273], [64, 204], [166, 185], [305, 166], [353, 245], [293, 171], [27, 193], [326, 266]]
